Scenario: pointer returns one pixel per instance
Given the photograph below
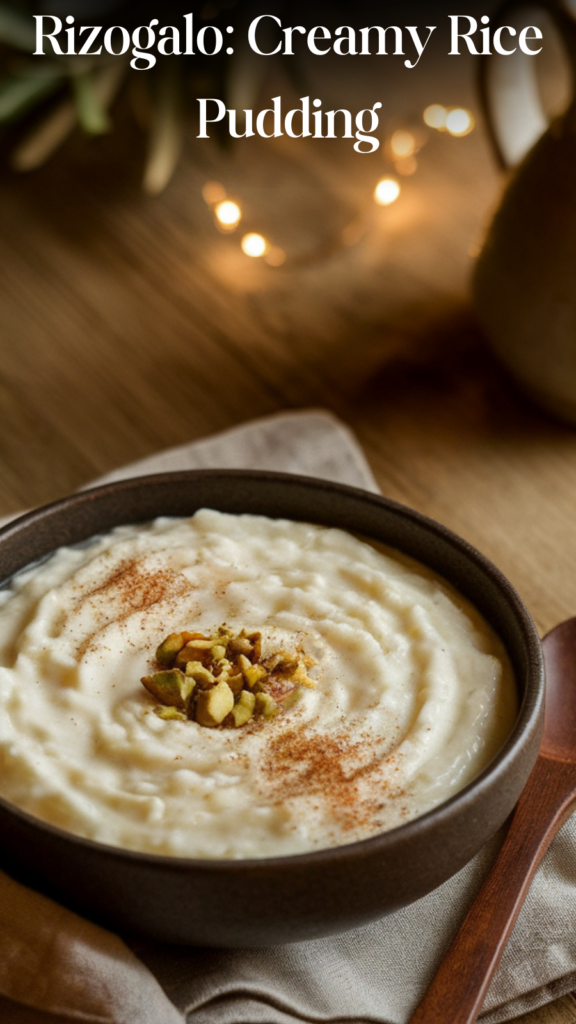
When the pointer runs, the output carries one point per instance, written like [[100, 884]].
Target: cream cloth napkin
[[56, 967]]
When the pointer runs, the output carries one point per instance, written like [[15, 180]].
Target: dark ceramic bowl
[[279, 899]]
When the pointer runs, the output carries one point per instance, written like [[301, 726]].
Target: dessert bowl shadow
[[278, 899]]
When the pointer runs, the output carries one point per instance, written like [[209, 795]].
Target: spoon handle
[[457, 991]]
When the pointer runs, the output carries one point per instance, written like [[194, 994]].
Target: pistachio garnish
[[170, 714], [266, 705], [172, 688], [243, 662], [254, 674], [236, 682], [244, 708], [192, 652], [169, 648], [222, 680], [240, 645], [213, 705], [200, 674]]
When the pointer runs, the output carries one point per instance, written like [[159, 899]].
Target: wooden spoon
[[457, 991]]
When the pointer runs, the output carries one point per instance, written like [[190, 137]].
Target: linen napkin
[[56, 967]]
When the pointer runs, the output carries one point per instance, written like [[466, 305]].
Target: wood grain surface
[[129, 324]]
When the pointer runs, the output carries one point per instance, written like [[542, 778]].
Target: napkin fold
[[56, 967]]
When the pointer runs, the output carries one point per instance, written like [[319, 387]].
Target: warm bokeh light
[[228, 213], [407, 166], [459, 122], [275, 256], [213, 192], [353, 231], [435, 116], [387, 191], [254, 244], [402, 143]]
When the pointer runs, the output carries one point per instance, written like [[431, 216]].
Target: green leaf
[[89, 108], [16, 29], [45, 138], [21, 93], [165, 138]]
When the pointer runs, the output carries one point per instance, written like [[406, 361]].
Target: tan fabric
[[56, 967], [50, 957]]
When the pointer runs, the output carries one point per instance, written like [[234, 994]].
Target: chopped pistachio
[[171, 688], [240, 645], [254, 674], [170, 714], [213, 705], [282, 663], [200, 674], [244, 708], [169, 648], [227, 675], [311, 684], [266, 705], [191, 653], [301, 677], [244, 663], [256, 641], [235, 682]]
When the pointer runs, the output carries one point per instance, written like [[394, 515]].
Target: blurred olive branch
[[48, 97]]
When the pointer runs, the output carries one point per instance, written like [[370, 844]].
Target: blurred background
[[156, 287]]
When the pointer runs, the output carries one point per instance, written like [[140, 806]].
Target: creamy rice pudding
[[404, 692]]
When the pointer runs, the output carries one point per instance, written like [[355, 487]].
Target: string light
[[387, 191], [254, 244], [213, 192], [228, 214], [407, 167], [459, 122], [403, 144], [275, 256], [435, 116]]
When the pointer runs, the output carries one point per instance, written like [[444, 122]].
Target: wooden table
[[129, 324]]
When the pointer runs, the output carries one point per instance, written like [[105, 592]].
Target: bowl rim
[[529, 715]]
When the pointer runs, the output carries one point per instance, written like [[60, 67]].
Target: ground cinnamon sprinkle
[[345, 776], [131, 588], [137, 587]]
